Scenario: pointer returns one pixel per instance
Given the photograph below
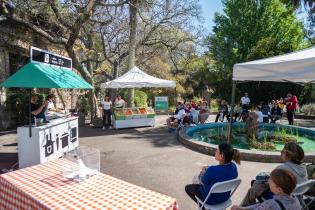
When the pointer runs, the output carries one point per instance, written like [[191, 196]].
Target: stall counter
[[133, 117], [48, 142]]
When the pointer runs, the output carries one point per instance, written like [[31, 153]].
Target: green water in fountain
[[210, 135]]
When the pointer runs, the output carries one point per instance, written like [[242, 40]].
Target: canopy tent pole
[[30, 113], [232, 112]]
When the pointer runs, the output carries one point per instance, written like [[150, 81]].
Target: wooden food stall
[[38, 143]]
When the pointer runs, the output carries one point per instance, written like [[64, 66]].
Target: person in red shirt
[[291, 106]]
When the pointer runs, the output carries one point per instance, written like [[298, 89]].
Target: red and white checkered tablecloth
[[45, 187]]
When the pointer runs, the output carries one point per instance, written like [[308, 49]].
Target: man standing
[[291, 106], [36, 109], [245, 102]]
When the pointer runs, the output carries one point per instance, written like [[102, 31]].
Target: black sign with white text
[[42, 56]]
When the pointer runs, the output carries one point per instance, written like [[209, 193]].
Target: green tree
[[248, 30]]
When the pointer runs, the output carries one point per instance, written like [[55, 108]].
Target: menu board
[[43, 56]]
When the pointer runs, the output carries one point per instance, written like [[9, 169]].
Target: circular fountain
[[257, 142]]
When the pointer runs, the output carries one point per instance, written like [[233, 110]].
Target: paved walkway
[[153, 158]]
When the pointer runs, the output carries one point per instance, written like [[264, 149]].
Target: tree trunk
[[92, 96], [61, 98], [85, 74], [133, 9], [113, 93]]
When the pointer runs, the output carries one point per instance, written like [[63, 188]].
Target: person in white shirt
[[119, 102], [180, 115], [106, 105], [245, 107], [245, 101], [51, 111], [51, 105], [174, 120]]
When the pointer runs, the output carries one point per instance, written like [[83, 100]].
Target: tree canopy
[[249, 30], [96, 35]]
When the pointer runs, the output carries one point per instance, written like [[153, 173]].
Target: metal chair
[[220, 187], [301, 189]]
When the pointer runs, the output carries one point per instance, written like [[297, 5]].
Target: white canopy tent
[[135, 78], [296, 67]]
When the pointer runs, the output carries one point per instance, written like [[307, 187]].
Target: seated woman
[[282, 183], [292, 155], [276, 112], [223, 111], [226, 170], [236, 113], [179, 106], [174, 121]]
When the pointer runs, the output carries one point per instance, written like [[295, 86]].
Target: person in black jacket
[[223, 111], [37, 110]]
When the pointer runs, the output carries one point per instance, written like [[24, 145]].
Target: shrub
[[83, 104], [214, 105], [140, 98], [308, 109]]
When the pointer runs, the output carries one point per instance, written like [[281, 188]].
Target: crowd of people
[[188, 113], [275, 188], [192, 112], [266, 112]]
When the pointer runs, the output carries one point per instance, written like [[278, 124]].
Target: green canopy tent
[[41, 75]]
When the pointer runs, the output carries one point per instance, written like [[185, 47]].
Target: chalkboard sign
[[42, 56]]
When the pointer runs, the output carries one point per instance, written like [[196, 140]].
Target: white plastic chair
[[220, 187], [301, 189]]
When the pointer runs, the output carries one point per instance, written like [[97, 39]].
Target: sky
[[209, 7]]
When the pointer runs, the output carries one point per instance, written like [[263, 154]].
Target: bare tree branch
[[113, 5], [13, 17], [57, 13]]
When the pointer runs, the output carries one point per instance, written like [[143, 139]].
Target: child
[[282, 183]]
